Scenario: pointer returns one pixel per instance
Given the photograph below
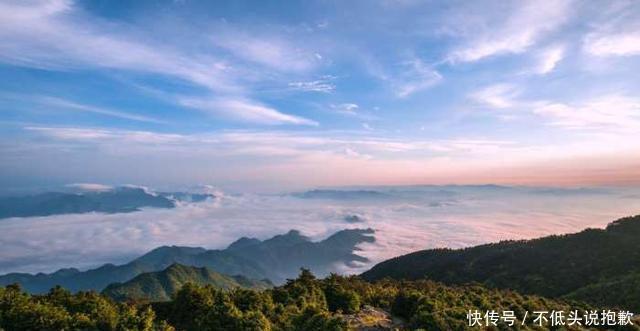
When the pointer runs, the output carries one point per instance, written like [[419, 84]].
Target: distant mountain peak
[[294, 233], [290, 238], [66, 271], [243, 242]]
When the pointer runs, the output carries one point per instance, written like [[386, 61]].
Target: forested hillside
[[162, 285], [600, 266], [306, 303]]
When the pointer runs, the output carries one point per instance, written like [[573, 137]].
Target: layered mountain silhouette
[[117, 200], [276, 259], [341, 194], [598, 266], [162, 285]]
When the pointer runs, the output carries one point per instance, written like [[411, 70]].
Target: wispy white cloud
[[240, 140], [320, 85], [353, 110], [608, 111], [613, 44], [525, 26], [352, 153], [109, 135], [346, 107], [414, 76], [277, 159], [70, 105], [73, 133], [548, 59], [618, 113], [90, 187], [614, 31], [245, 110], [58, 35], [274, 52], [497, 96], [405, 77]]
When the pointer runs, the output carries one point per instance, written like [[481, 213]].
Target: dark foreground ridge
[[596, 266], [336, 303]]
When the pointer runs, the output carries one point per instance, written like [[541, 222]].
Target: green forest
[[305, 303]]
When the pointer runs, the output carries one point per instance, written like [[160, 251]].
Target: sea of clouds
[[405, 219]]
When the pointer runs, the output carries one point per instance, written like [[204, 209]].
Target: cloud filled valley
[[405, 219]]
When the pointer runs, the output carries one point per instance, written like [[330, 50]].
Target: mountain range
[[117, 200], [132, 198], [598, 266], [276, 259], [341, 194]]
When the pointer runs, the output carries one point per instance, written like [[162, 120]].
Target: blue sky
[[269, 95]]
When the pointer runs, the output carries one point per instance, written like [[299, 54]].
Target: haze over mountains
[[593, 270], [348, 230], [276, 259], [111, 200], [406, 219]]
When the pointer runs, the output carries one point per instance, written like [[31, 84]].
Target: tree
[[341, 299]]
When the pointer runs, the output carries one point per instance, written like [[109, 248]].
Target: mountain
[[341, 194], [623, 291], [118, 200], [162, 285], [276, 259], [187, 196], [600, 266], [98, 278], [283, 255]]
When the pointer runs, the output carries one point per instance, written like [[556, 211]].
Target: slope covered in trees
[[305, 303], [61, 310], [596, 265], [162, 285]]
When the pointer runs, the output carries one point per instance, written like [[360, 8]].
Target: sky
[[279, 95]]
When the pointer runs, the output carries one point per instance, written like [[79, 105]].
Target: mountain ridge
[[123, 199], [552, 266], [277, 259], [162, 285]]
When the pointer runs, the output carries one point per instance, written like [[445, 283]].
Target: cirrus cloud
[[523, 28]]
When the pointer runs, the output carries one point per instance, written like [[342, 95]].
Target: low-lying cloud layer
[[405, 219]]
